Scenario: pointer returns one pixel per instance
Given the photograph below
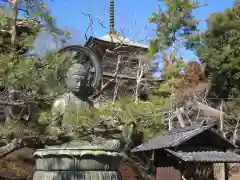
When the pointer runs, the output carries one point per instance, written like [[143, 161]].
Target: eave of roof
[[170, 139], [206, 156], [116, 39], [122, 76]]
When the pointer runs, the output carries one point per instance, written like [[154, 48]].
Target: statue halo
[[92, 64]]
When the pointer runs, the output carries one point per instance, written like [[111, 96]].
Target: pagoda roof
[[117, 39]]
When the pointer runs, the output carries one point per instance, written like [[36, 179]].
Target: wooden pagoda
[[119, 60]]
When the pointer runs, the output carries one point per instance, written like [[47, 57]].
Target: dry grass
[[18, 165]]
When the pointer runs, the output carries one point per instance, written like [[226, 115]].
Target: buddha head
[[76, 78]]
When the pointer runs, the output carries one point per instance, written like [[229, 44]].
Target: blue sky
[[130, 18]]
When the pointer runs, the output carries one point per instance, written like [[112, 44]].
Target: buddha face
[[75, 78]]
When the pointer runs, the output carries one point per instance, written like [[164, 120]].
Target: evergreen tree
[[37, 80], [219, 49], [175, 25], [176, 28]]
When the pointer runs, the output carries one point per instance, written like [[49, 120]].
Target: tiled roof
[[171, 139], [176, 137], [118, 39], [207, 156]]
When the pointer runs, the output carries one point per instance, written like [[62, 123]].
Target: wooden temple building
[[189, 153], [120, 59]]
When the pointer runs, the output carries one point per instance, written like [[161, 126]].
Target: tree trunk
[[13, 24], [180, 118], [8, 109]]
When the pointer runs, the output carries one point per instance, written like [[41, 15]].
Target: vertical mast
[[112, 31]]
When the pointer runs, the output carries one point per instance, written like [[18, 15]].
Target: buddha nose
[[78, 85]]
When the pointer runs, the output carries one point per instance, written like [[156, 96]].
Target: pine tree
[[176, 28], [36, 81], [219, 49], [174, 25]]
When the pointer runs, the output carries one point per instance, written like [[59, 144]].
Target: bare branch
[[116, 88], [111, 80], [12, 146], [90, 23], [101, 23], [140, 71]]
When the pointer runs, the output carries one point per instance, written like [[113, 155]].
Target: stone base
[[80, 175], [80, 160]]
